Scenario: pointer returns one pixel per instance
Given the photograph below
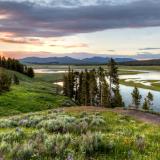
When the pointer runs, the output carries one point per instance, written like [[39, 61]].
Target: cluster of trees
[[152, 62], [95, 87], [6, 81], [15, 65], [137, 97]]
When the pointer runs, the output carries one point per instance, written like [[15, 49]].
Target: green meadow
[[30, 95]]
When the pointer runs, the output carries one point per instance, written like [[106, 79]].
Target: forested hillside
[[152, 62]]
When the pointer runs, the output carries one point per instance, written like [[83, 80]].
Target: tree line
[[15, 65], [92, 88], [152, 62]]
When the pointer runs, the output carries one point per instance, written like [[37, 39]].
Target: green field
[[31, 95], [64, 67], [60, 134]]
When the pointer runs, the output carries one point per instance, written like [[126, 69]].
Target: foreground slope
[[74, 134]]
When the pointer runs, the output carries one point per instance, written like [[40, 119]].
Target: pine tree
[[65, 84], [145, 104], [150, 99], [76, 81], [30, 72], [116, 98], [136, 97], [93, 87], [105, 94], [101, 77], [15, 79], [80, 87]]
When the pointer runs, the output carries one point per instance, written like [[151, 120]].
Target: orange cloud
[[32, 41], [81, 45]]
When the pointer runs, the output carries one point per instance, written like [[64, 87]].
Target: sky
[[63, 27]]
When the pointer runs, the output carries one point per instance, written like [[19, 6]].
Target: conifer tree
[[136, 97], [145, 104], [70, 86], [80, 87], [150, 99], [76, 81], [30, 72], [93, 87], [116, 98], [65, 84], [15, 79], [101, 77], [105, 94]]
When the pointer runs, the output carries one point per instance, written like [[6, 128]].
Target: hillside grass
[[31, 95], [83, 135]]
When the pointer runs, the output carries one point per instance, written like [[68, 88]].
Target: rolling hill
[[30, 95]]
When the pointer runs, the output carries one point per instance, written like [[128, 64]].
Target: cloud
[[31, 19], [81, 45], [111, 50], [21, 41], [146, 49]]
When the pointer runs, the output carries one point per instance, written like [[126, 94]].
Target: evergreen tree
[[145, 104], [76, 81], [15, 79], [136, 97], [93, 87], [116, 98], [150, 99], [112, 74], [70, 83], [105, 94], [80, 87], [30, 72], [65, 84], [101, 77]]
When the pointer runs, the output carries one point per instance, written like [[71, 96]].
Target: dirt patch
[[139, 115]]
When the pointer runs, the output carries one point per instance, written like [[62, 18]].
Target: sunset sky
[[54, 27]]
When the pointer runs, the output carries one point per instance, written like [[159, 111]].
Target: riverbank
[[154, 85]]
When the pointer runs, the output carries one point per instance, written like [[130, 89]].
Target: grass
[[81, 135], [64, 67], [154, 86], [30, 96]]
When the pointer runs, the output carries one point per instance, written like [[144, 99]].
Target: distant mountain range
[[70, 60]]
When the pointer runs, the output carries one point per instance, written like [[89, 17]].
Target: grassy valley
[[30, 95]]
